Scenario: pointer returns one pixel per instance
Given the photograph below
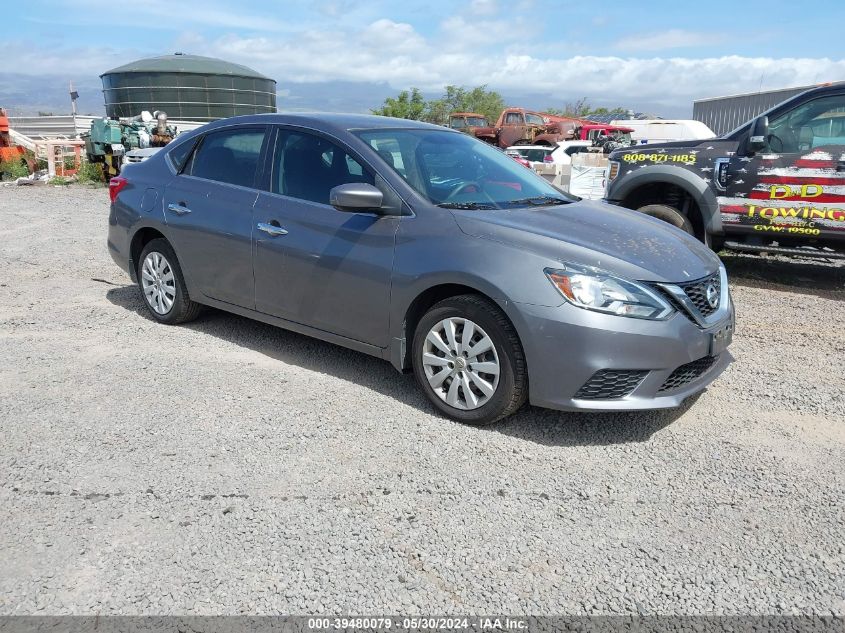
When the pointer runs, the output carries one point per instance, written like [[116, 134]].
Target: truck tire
[[670, 215]]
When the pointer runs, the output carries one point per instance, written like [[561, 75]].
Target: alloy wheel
[[461, 363], [158, 282]]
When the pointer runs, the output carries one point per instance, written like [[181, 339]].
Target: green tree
[[460, 99], [581, 108], [408, 105], [412, 105]]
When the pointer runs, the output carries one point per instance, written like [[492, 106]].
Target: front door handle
[[272, 230], [178, 209]]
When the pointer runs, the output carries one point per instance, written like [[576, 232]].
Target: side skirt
[[358, 346]]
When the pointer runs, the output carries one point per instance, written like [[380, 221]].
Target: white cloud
[[457, 32], [667, 40], [484, 7], [394, 53]]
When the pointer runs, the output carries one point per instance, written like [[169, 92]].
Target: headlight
[[595, 290]]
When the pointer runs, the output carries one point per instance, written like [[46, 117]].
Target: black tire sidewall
[[497, 406], [179, 303]]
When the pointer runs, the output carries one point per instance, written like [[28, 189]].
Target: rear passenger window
[[230, 156], [308, 167], [179, 154]]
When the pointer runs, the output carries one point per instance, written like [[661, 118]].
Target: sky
[[348, 55]]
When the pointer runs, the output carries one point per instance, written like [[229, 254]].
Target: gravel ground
[[227, 466]]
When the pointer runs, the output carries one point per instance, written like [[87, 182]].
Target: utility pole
[[74, 95]]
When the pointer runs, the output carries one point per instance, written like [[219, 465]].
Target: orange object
[[8, 151]]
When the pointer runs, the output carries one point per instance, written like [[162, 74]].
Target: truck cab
[[775, 184], [467, 121], [592, 131], [518, 126]]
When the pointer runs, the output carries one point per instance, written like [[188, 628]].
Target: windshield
[[458, 171]]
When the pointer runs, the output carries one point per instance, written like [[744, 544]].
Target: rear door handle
[[272, 229], [178, 209]]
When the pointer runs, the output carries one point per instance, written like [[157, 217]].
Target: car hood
[[592, 233]]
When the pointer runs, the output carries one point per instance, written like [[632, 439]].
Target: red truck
[[518, 126]]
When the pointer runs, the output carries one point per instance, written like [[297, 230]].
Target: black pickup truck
[[775, 184]]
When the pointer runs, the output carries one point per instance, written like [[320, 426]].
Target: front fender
[[694, 185]]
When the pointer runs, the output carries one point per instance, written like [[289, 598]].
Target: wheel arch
[[400, 355], [644, 186], [140, 238]]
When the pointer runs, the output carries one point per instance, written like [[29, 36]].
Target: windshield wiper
[[468, 206], [540, 201]]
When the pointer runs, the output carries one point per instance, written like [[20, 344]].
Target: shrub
[[58, 180], [13, 169], [90, 173]]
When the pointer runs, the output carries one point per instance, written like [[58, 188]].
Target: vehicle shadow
[[532, 424], [821, 279], [556, 428]]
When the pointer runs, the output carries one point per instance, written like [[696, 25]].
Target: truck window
[[534, 119], [812, 124], [457, 123], [513, 118]]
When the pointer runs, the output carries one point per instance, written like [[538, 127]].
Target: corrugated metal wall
[[63, 126], [723, 114], [59, 126]]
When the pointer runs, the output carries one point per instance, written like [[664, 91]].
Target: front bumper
[[566, 346]]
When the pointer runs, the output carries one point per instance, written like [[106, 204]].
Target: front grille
[[685, 374], [610, 384], [697, 292]]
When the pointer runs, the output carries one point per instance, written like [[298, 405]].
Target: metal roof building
[[187, 87], [723, 114]]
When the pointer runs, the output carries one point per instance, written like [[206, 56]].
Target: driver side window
[[307, 167], [811, 125]]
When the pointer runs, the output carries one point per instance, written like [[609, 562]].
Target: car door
[[314, 264], [795, 186], [513, 129], [208, 210]]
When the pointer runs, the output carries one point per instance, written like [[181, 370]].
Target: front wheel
[[468, 360], [670, 215]]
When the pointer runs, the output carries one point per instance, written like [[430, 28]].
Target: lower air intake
[[685, 374], [611, 384]]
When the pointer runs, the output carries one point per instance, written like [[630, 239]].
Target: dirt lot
[[227, 466]]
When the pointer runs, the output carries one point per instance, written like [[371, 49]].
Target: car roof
[[331, 121]]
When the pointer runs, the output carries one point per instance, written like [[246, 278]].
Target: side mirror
[[356, 196], [759, 134]]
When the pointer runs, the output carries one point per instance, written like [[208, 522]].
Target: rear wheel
[[468, 360], [163, 286], [670, 215]]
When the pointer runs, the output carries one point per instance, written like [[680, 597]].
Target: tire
[[670, 215], [509, 387], [173, 305]]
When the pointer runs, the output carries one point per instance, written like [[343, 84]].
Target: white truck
[[665, 130]]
